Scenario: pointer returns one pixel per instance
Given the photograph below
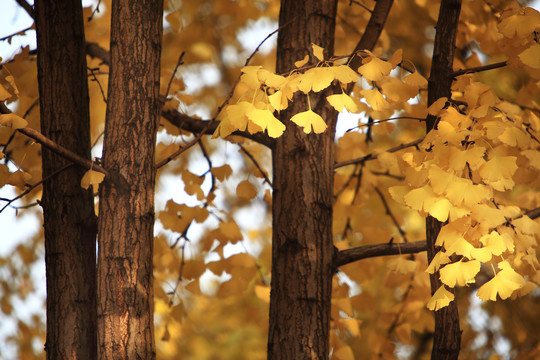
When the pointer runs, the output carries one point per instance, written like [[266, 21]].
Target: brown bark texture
[[68, 210], [302, 250], [447, 335], [126, 205]]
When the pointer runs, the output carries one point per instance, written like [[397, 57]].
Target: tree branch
[[374, 156], [51, 145], [348, 256], [27, 7], [479, 68]]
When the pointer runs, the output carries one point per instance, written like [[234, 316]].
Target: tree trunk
[[68, 210], [126, 206], [447, 336], [302, 249]]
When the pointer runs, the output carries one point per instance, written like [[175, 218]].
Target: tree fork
[[447, 335], [68, 210]]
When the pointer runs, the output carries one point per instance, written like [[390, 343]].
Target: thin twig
[[248, 154], [182, 149], [374, 156], [479, 68], [20, 32], [27, 7], [32, 187], [389, 213], [94, 78], [178, 64]]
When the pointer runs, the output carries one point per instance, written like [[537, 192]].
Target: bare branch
[[479, 68], [348, 256], [248, 154], [27, 7], [374, 156]]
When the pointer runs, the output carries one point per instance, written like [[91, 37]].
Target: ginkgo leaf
[[460, 273], [402, 265], [246, 190], [343, 353], [13, 121], [439, 209], [398, 91], [249, 76], [417, 198], [487, 215], [504, 283], [375, 99], [497, 243], [263, 293], [526, 225], [376, 69], [434, 108], [231, 231], [460, 247], [318, 52], [310, 120], [521, 24], [397, 58], [92, 177], [344, 74], [440, 299], [270, 79], [316, 79], [417, 80], [498, 172], [531, 56], [267, 121], [18, 178], [302, 62], [222, 172], [513, 136], [278, 100], [439, 259], [342, 101], [4, 93]]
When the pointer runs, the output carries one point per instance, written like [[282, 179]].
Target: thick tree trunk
[[447, 336], [68, 210], [302, 250], [126, 206]]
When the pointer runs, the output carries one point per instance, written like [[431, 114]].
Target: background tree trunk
[[68, 210], [302, 249], [447, 336], [125, 307]]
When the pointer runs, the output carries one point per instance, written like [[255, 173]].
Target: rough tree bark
[[302, 250], [126, 206], [68, 210], [447, 335]]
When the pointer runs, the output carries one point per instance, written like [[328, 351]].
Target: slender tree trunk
[[447, 336], [68, 210], [302, 249], [125, 305]]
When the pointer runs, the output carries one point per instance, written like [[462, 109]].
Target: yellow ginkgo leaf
[[302, 62], [278, 100], [232, 233], [440, 209], [439, 259], [316, 79], [343, 353], [417, 80], [342, 101], [263, 293], [246, 190], [270, 79], [344, 74], [460, 247], [487, 215], [13, 121], [498, 172], [513, 136], [504, 283], [308, 120], [267, 121], [437, 106], [460, 273], [93, 178], [497, 243], [376, 69], [402, 265], [375, 99], [398, 91], [18, 178], [526, 225], [531, 56], [4, 93], [318, 52], [440, 299], [249, 76], [521, 24]]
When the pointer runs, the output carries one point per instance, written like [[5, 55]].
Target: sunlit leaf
[[310, 120], [92, 177], [504, 283], [440, 299]]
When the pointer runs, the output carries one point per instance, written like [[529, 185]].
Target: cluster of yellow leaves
[[460, 176], [263, 92]]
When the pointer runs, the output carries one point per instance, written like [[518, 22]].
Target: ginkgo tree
[[372, 129]]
